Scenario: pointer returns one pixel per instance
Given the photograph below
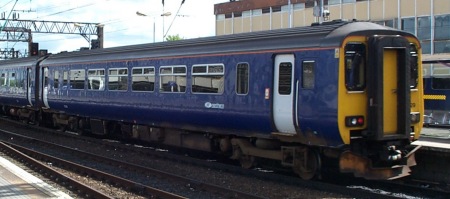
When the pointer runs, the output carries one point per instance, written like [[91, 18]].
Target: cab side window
[[355, 66]]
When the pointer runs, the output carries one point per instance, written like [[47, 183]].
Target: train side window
[[285, 78], [172, 78], [440, 83], [118, 79], [143, 79], [56, 80], [12, 79], [242, 78], [414, 67], [355, 66], [208, 78], [65, 79], [47, 74], [4, 79], [96, 79], [308, 77], [77, 78]]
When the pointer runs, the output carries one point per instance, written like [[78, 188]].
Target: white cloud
[[121, 24]]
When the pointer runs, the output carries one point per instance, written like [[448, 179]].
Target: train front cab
[[380, 105]]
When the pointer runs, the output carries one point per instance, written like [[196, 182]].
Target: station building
[[429, 20]]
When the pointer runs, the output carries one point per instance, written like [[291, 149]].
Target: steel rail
[[52, 173], [98, 174], [165, 175]]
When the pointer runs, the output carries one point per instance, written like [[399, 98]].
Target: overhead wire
[[182, 2], [6, 4]]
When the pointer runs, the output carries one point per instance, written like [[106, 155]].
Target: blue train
[[348, 93], [436, 78]]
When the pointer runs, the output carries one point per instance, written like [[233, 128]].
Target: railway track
[[343, 190], [75, 185], [128, 184]]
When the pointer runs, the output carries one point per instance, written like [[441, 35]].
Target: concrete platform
[[15, 183], [434, 139]]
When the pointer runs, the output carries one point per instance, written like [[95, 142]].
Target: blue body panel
[[15, 96], [317, 110], [243, 115], [435, 104]]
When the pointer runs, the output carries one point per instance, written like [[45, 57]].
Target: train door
[[389, 87], [29, 85], [284, 95], [44, 86]]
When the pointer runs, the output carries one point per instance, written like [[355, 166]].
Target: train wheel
[[307, 164], [247, 161]]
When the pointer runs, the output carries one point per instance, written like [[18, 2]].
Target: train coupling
[[360, 166]]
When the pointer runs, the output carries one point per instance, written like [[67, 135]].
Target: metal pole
[[290, 13], [321, 12], [154, 27]]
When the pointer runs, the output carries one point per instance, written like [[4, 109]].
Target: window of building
[[409, 25], [220, 17], [276, 9], [391, 23], [424, 28], [299, 6], [77, 78], [424, 33], [442, 26], [237, 14], [143, 79], [334, 2], [208, 78], [285, 8], [426, 47], [348, 1], [442, 46], [247, 13], [257, 12], [242, 78], [56, 79], [96, 79], [266, 10], [285, 78], [308, 77], [118, 79], [172, 78], [441, 34], [355, 66]]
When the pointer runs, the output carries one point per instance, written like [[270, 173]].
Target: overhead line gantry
[[21, 30]]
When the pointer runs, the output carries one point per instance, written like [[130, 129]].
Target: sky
[[122, 26]]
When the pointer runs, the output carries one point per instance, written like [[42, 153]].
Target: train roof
[[26, 61], [326, 35]]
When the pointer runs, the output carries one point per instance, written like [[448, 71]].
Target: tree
[[173, 38]]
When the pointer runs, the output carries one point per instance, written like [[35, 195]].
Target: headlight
[[352, 121]]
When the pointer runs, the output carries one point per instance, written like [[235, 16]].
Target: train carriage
[[345, 90], [436, 78], [17, 87]]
